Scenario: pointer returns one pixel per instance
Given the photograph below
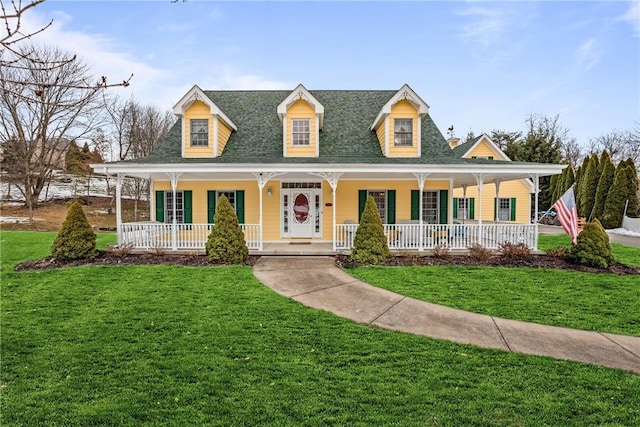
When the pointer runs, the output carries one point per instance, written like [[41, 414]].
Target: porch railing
[[453, 236], [152, 235]]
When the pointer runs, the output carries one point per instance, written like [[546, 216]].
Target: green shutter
[[188, 211], [490, 157], [240, 205], [455, 207], [472, 208], [391, 206], [513, 209], [495, 209], [362, 200], [211, 206], [415, 205], [444, 200], [160, 206]]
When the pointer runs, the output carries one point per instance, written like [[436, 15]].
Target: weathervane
[[450, 132]]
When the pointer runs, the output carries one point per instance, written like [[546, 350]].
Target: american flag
[[568, 214]]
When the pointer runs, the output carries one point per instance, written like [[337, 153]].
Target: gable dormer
[[484, 148], [398, 124], [302, 118], [205, 127]]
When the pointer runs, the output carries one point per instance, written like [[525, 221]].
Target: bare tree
[[35, 134], [621, 145]]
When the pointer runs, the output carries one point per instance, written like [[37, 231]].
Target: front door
[[301, 213]]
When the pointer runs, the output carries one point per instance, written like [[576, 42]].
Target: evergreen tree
[[604, 184], [555, 184], [589, 187], [593, 247], [76, 239], [370, 243], [226, 244], [632, 191], [577, 189], [618, 194], [569, 179]]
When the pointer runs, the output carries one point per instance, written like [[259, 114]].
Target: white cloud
[[588, 54], [632, 15]]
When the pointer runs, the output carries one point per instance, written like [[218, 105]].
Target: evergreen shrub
[[76, 239], [593, 248], [370, 243], [226, 244]]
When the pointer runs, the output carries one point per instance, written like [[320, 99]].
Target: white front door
[[301, 213]]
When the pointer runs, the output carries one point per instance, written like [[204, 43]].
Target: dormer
[[484, 148], [302, 118], [205, 127], [398, 125]]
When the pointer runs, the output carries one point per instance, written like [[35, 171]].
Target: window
[[300, 131], [403, 132], [463, 209], [199, 132], [504, 209], [380, 197], [230, 195], [168, 207], [482, 157], [430, 207]]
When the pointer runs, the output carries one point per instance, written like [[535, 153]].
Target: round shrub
[[226, 244], [76, 239], [370, 243], [593, 248]]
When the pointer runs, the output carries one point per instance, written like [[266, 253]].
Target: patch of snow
[[624, 232], [17, 219]]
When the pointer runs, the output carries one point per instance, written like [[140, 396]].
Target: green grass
[[628, 255], [166, 345]]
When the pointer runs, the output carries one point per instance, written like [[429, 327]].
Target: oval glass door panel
[[301, 208]]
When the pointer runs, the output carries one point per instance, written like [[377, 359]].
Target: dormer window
[[300, 131], [403, 132], [199, 132]]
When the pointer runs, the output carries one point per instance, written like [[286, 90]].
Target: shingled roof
[[345, 138]]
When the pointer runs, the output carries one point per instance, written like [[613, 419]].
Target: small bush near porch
[[226, 244]]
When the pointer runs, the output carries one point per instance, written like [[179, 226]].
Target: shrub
[[616, 199], [593, 248], [479, 252], [226, 244], [76, 239], [370, 243], [120, 251], [441, 252], [557, 252], [515, 251]]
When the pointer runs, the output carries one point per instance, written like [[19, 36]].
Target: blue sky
[[479, 65]]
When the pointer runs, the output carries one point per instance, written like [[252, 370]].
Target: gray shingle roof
[[345, 138], [461, 149]]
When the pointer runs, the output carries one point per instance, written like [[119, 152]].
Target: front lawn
[[161, 345]]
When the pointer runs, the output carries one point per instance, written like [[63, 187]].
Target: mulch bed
[[533, 261]]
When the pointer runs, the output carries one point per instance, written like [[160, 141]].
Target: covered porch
[[403, 234]]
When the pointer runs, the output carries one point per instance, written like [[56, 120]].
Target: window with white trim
[[199, 132], [300, 131], [230, 195], [430, 207], [464, 208], [403, 132], [168, 207], [504, 209], [380, 197]]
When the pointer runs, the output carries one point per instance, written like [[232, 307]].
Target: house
[[299, 165], [502, 201]]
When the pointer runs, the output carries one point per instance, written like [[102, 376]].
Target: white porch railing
[[454, 236], [153, 235]]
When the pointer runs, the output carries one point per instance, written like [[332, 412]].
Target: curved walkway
[[317, 282]]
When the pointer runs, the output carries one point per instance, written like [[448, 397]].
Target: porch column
[[332, 178], [262, 178], [464, 196], [119, 181], [421, 177], [497, 205], [479, 181], [536, 183], [174, 176]]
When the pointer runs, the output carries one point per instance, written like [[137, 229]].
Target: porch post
[[421, 177], [479, 181], [174, 176], [332, 178], [464, 196], [119, 181], [536, 182], [262, 178], [495, 214]]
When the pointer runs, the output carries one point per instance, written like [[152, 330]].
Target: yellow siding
[[483, 150], [301, 110], [198, 110], [346, 201], [508, 189], [380, 131], [224, 132], [403, 110]]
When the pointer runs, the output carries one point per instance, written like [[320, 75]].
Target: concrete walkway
[[316, 282]]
